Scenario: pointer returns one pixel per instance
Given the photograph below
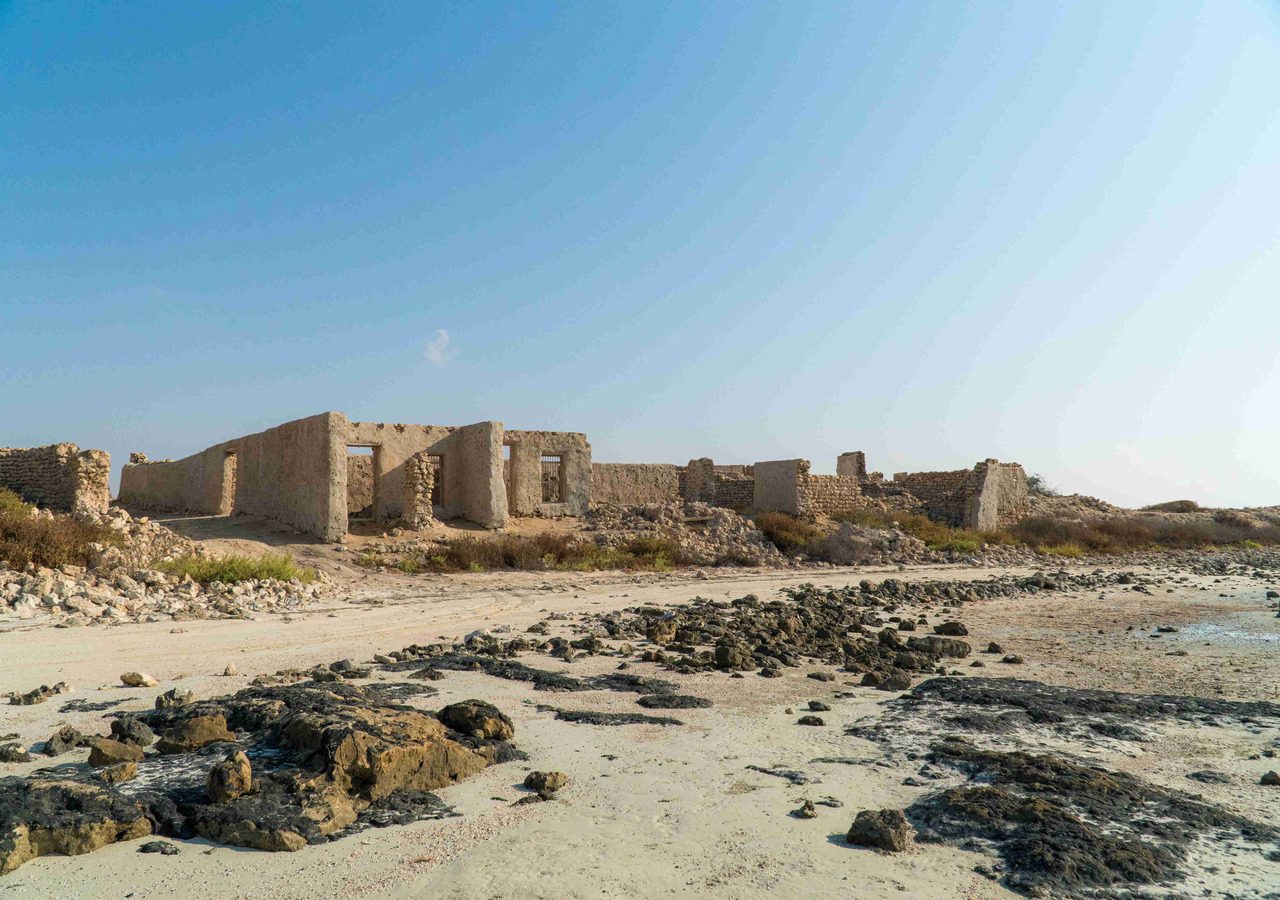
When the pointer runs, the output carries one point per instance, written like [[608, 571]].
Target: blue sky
[[936, 232]]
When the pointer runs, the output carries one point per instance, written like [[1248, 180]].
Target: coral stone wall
[[941, 494], [59, 477], [827, 494]]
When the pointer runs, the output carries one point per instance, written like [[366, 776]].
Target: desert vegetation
[[234, 568], [28, 537], [533, 553]]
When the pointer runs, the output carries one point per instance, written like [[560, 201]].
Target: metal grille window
[[552, 479], [437, 479]]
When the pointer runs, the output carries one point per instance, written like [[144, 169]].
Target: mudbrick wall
[[638, 484], [60, 477]]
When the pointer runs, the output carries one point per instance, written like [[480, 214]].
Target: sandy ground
[[651, 811]]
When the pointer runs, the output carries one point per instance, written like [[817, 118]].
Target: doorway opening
[[362, 482], [437, 480], [552, 479]]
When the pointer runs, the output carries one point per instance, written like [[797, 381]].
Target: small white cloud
[[438, 352]]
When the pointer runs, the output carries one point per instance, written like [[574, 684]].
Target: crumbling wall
[[827, 494], [734, 490], [627, 484], [419, 481], [524, 477], [471, 483], [997, 495], [59, 477], [941, 494], [295, 473], [777, 485], [852, 465]]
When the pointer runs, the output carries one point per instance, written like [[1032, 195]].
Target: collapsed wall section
[[60, 477]]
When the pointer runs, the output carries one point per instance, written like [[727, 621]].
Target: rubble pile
[[709, 535]]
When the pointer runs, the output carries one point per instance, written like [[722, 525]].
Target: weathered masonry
[[989, 495], [61, 477], [319, 472]]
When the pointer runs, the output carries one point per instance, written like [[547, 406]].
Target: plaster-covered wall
[[628, 484], [524, 472], [295, 472]]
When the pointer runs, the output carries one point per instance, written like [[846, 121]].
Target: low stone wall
[[734, 490], [635, 484], [827, 494], [60, 477], [942, 494]]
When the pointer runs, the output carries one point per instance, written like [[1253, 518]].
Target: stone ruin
[[60, 477], [319, 473], [322, 473], [990, 495]]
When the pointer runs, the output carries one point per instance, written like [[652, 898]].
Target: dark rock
[[162, 847], [806, 811], [673, 701], [1208, 776], [940, 646], [818, 706], [951, 629], [132, 730], [1013, 659], [44, 817], [478, 719], [811, 720], [14, 753], [63, 740], [1271, 779]]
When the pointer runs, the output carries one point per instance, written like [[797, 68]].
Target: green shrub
[[936, 535], [236, 567], [540, 553], [1174, 506], [787, 533], [46, 541]]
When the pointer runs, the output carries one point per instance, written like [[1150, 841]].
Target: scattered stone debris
[[38, 695], [119, 585], [791, 775], [590, 717]]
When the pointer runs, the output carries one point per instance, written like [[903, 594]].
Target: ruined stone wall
[[734, 490], [827, 494], [997, 495], [419, 481], [295, 473], [627, 484], [941, 494], [59, 477], [524, 477]]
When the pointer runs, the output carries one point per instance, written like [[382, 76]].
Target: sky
[[936, 232]]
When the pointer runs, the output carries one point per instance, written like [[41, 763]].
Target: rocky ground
[[934, 731]]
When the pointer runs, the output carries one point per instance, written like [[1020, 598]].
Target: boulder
[[194, 733], [231, 778], [546, 782], [885, 829], [478, 719], [137, 679], [106, 752]]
